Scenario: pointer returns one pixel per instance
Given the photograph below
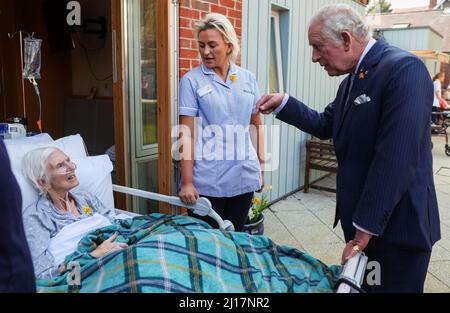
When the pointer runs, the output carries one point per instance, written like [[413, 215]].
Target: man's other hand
[[355, 246], [268, 103]]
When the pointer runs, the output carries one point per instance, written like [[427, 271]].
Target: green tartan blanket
[[185, 255]]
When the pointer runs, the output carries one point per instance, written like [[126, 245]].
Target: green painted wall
[[419, 38], [303, 79]]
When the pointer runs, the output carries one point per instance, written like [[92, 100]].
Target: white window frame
[[275, 18]]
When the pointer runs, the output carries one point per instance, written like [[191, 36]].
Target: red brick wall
[[194, 10]]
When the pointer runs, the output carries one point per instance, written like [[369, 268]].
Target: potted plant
[[255, 220]]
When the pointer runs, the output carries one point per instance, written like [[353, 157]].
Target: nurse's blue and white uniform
[[226, 164]]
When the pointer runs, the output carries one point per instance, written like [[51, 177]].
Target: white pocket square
[[362, 99]]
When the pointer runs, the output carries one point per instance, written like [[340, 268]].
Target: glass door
[[142, 60], [148, 132]]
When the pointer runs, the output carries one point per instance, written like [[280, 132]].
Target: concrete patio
[[305, 221]]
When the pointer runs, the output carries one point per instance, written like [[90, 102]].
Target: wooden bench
[[320, 155]]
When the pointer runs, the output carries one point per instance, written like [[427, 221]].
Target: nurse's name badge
[[204, 91]]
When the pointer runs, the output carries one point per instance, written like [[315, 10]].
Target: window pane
[[273, 70], [147, 173], [149, 121], [148, 71]]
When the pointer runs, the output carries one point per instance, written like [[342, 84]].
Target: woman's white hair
[[337, 18], [224, 26], [34, 165]]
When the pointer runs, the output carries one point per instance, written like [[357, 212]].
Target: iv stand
[[20, 32]]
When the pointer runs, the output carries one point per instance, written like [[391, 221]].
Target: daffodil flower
[[363, 73], [87, 210], [259, 204]]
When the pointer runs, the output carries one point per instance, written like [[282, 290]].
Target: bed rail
[[353, 272], [203, 206]]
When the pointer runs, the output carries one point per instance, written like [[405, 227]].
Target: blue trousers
[[234, 209], [402, 271]]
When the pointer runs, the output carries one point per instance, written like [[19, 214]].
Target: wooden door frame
[[164, 109], [120, 112], [164, 104]]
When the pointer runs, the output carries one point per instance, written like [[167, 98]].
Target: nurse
[[223, 159]]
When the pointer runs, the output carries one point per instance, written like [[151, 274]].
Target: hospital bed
[[351, 277]]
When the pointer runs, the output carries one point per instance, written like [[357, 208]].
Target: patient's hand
[[108, 246]]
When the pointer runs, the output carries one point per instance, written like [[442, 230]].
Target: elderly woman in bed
[[53, 174]]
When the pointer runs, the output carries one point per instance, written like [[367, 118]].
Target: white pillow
[[29, 194], [73, 146], [93, 173]]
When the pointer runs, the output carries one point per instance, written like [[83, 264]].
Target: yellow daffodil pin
[[363, 73], [87, 210], [233, 77]]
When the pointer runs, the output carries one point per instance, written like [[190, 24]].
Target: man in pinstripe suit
[[380, 125], [16, 267]]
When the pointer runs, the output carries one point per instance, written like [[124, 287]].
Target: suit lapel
[[366, 68]]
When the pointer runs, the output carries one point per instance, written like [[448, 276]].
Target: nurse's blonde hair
[[224, 26]]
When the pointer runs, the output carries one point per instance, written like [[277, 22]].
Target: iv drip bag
[[32, 58]]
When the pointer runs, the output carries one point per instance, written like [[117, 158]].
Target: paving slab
[[305, 221]]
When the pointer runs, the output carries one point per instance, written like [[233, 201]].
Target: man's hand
[[267, 104], [107, 247], [355, 246]]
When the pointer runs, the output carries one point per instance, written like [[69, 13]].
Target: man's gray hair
[[337, 18], [34, 165], [224, 26]]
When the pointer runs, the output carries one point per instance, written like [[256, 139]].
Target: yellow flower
[[256, 200], [233, 77], [87, 210], [363, 73], [269, 187]]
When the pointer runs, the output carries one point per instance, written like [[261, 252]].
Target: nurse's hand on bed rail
[[355, 246], [107, 247], [188, 194]]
